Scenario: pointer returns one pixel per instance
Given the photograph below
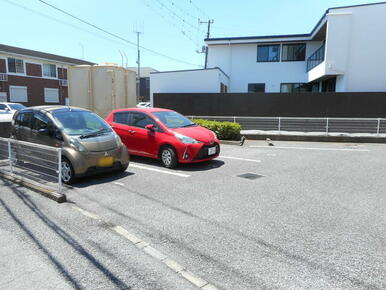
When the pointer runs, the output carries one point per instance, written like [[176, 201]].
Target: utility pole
[[138, 66], [209, 22]]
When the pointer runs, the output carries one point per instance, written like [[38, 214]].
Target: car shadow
[[201, 166], [100, 178]]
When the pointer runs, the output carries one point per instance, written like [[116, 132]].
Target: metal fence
[[35, 162], [318, 125]]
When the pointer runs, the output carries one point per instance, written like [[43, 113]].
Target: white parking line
[[154, 253], [310, 148], [158, 170], [242, 159], [86, 213]]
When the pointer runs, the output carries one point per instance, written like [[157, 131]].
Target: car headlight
[[214, 135], [185, 139], [118, 140], [74, 143]]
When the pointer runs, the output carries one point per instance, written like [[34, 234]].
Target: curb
[[51, 194], [345, 139], [228, 142]]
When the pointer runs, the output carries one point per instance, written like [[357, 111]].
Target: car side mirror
[[150, 127], [58, 135]]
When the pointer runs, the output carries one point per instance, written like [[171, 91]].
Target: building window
[[268, 53], [294, 52], [15, 65], [49, 70], [223, 88], [256, 88], [51, 95], [18, 94], [299, 87]]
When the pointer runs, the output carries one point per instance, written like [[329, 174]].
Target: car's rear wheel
[[68, 174], [168, 157]]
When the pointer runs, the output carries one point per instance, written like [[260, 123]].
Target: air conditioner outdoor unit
[[63, 83]]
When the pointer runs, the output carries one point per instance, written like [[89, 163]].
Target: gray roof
[[34, 53]]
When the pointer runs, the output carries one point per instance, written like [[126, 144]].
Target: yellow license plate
[[105, 162]]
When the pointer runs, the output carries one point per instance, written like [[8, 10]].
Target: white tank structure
[[101, 88]]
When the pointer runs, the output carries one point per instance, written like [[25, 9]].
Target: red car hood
[[199, 133]]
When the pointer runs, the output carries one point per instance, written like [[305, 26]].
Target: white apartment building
[[343, 53]]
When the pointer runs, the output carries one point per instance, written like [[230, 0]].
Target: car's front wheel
[[168, 157], [68, 174]]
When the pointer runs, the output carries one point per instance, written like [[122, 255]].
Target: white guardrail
[[39, 163], [375, 126]]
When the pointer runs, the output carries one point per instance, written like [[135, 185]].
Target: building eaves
[[306, 36], [42, 55], [188, 70]]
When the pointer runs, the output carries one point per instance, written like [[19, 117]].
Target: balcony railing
[[316, 58], [3, 77]]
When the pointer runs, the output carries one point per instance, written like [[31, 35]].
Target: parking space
[[294, 214]]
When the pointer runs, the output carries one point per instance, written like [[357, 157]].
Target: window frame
[[50, 77], [141, 113], [122, 113], [299, 91], [249, 84], [16, 73], [34, 118], [292, 44], [51, 89], [17, 87], [268, 45]]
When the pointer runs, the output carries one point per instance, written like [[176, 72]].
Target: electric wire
[[116, 35]]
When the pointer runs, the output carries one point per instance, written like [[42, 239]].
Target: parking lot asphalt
[[308, 215]]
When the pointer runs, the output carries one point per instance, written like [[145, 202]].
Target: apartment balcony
[[316, 58], [316, 65]]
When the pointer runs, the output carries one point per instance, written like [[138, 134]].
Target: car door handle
[[131, 132]]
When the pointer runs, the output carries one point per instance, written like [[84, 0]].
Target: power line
[[63, 22], [186, 32], [198, 8], [173, 3], [116, 35], [176, 15]]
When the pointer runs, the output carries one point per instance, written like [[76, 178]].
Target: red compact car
[[165, 135]]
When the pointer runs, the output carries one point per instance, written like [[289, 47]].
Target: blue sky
[[170, 26]]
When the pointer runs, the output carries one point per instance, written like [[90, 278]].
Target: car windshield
[[16, 107], [81, 123], [172, 119]]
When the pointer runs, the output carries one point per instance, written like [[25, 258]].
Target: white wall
[[193, 81], [356, 42], [239, 62]]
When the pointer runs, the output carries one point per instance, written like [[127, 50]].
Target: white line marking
[[311, 148], [119, 183], [242, 159], [193, 279], [132, 238], [158, 170], [86, 213], [149, 250], [154, 253]]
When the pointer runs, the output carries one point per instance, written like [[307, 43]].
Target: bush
[[223, 130]]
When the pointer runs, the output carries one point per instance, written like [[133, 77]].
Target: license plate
[[212, 151], [105, 162]]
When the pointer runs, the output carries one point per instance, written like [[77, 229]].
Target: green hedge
[[223, 130]]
